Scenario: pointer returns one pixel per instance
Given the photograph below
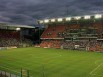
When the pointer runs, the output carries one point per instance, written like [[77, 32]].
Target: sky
[[27, 12]]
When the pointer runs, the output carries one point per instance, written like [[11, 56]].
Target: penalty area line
[[91, 73]]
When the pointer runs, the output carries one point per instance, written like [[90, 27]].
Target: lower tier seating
[[51, 43], [85, 45]]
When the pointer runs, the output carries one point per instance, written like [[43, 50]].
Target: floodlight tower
[[77, 18], [53, 20], [46, 20], [18, 29], [97, 16], [40, 22], [60, 19], [68, 18], [87, 17]]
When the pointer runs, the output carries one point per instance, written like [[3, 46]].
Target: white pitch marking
[[91, 73]]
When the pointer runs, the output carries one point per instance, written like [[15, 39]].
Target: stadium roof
[[68, 19], [14, 25]]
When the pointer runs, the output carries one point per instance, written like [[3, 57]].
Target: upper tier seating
[[52, 31], [10, 34]]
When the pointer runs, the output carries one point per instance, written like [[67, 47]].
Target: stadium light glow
[[17, 29], [68, 19], [98, 16], [60, 19], [52, 20], [46, 21], [77, 18], [41, 21], [87, 17]]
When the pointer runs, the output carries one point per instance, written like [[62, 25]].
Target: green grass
[[52, 62]]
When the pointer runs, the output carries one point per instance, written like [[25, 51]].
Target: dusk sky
[[28, 11]]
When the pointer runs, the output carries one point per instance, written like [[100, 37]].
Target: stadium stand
[[13, 35], [82, 35], [51, 43], [53, 31]]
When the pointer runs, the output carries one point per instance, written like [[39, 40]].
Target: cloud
[[28, 11]]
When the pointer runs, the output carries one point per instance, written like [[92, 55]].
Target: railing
[[7, 74]]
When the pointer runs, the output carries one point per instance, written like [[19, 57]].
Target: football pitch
[[52, 62]]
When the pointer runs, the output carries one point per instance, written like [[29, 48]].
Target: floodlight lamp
[[46, 20], [17, 29], [40, 21], [98, 16], [60, 19], [87, 17], [68, 19], [52, 20], [77, 18]]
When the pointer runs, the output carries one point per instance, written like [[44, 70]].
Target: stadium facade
[[78, 32]]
